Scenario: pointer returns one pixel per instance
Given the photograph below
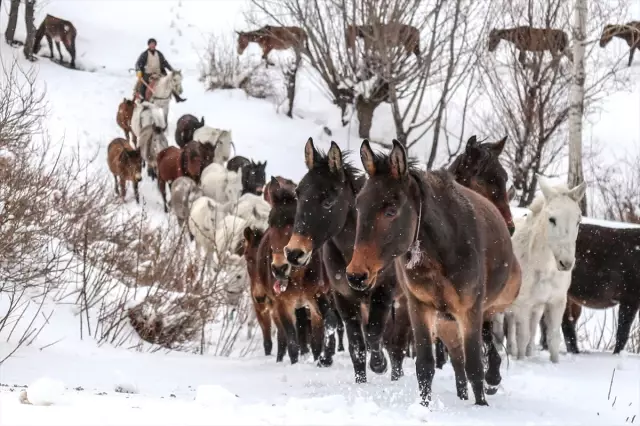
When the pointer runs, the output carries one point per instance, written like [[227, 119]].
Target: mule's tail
[[38, 38]]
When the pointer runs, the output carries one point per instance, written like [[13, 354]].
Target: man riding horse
[[151, 62]]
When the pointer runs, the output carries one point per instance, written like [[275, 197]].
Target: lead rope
[[415, 254]]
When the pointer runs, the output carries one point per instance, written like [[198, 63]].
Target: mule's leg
[[543, 333], [287, 319], [626, 314], [123, 188], [72, 52], [522, 58], [522, 317], [115, 178], [569, 322], [398, 344], [449, 335], [163, 189], [425, 363], [492, 376], [135, 191], [329, 317], [317, 334], [536, 317], [553, 317], [303, 329], [281, 336], [472, 327], [497, 328], [350, 313], [264, 320], [512, 344], [340, 330], [59, 51], [631, 52], [379, 312], [441, 356], [50, 42]]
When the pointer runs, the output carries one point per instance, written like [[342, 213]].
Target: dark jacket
[[142, 62]]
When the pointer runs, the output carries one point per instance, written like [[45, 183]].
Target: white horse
[[221, 139], [205, 217], [184, 192], [223, 185], [151, 141], [252, 208], [164, 89], [147, 114], [545, 244]]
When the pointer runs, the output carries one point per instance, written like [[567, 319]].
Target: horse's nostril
[[294, 255], [357, 280]]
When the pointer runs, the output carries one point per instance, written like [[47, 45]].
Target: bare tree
[[531, 104], [403, 52], [29, 21], [576, 107], [10, 31]]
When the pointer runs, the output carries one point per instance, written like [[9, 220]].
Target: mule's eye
[[552, 220], [328, 203], [390, 211]]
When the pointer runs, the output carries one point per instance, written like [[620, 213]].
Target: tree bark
[[576, 98], [291, 75], [10, 32], [29, 21], [365, 108]]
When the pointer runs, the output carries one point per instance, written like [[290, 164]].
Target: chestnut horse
[[529, 39], [453, 257], [629, 32], [326, 224], [174, 162], [271, 38], [125, 163], [393, 34], [59, 30], [287, 288], [123, 118]]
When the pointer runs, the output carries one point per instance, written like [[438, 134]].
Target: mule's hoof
[[396, 374], [340, 347], [378, 363], [491, 390], [482, 402], [361, 378], [463, 394], [325, 362]]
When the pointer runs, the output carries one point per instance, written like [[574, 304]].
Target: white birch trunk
[[576, 97]]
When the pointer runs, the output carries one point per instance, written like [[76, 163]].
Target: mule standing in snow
[[146, 114], [58, 30], [529, 39], [185, 127], [220, 139], [325, 226], [545, 245], [453, 256], [123, 119], [271, 38], [222, 185], [629, 32], [253, 174], [152, 141], [184, 192], [125, 163], [174, 162]]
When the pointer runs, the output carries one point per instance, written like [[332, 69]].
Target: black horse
[[253, 174]]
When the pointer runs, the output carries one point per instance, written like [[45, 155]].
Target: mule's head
[[494, 39], [243, 41], [388, 209], [176, 82], [607, 34], [254, 177], [281, 219], [133, 164], [325, 198], [479, 169], [560, 215]]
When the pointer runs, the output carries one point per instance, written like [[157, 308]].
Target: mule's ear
[[248, 234], [210, 205], [472, 142], [310, 154], [578, 192], [202, 120], [398, 161], [498, 147], [368, 158], [274, 183], [335, 160], [545, 187]]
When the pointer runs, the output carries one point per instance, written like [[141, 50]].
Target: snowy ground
[[254, 389]]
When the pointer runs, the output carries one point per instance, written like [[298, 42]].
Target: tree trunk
[[576, 98], [291, 76], [29, 21], [10, 32], [365, 108]]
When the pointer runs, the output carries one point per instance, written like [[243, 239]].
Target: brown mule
[[174, 162], [529, 39], [57, 29], [629, 32], [452, 252], [288, 288], [271, 38], [123, 118], [392, 34], [125, 163]]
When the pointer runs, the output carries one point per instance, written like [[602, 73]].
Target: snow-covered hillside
[[179, 388]]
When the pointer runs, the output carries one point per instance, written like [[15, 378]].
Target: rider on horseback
[[151, 62]]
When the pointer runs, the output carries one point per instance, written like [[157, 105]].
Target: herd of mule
[[397, 258]]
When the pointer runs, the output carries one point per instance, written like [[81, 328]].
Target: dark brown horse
[[288, 289], [453, 256], [61, 31], [123, 118], [271, 38], [125, 163], [393, 34], [629, 32], [326, 224], [529, 39], [185, 127], [174, 162]]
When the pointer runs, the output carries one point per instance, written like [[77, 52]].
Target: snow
[[91, 384]]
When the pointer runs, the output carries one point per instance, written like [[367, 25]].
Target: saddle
[[148, 92]]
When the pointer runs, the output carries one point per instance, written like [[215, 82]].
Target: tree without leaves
[[380, 69], [531, 105]]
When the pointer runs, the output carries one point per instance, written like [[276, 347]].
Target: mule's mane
[[354, 176], [383, 164]]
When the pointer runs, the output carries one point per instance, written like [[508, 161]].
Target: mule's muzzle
[[138, 177], [281, 272], [564, 265], [358, 281], [297, 257]]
